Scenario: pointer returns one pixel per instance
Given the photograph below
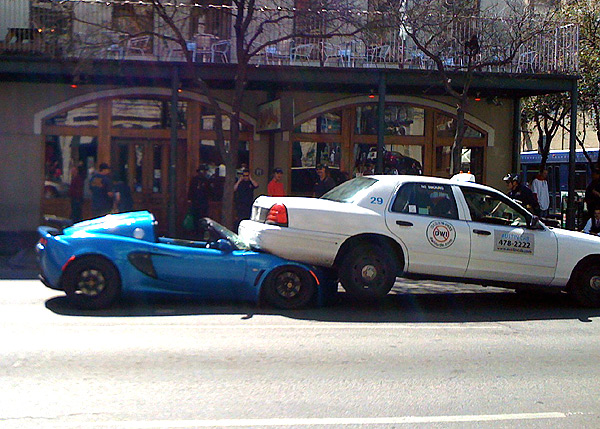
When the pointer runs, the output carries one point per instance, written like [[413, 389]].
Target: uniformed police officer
[[520, 192]]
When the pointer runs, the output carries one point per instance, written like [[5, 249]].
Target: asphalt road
[[433, 355]]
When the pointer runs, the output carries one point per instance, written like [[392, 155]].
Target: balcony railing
[[96, 30]]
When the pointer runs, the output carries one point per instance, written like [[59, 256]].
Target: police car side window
[[488, 208], [426, 199]]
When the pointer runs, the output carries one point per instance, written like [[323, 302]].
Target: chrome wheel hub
[[288, 286], [91, 282], [595, 283], [369, 273]]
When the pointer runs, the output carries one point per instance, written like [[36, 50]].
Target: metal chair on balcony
[[220, 51], [140, 45], [343, 54], [376, 54], [301, 52], [204, 44], [175, 51], [526, 62], [277, 54]]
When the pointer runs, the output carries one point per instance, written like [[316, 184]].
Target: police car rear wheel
[[368, 271], [586, 287]]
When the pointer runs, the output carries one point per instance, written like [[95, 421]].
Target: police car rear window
[[349, 191]]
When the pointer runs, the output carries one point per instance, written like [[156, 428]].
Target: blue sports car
[[96, 261]]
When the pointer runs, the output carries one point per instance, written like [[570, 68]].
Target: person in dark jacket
[[324, 182], [520, 192], [123, 198], [101, 186], [244, 195], [593, 224]]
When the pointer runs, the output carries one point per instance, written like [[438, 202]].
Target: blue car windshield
[[350, 191], [235, 239]]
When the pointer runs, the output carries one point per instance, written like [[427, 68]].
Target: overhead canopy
[[274, 78]]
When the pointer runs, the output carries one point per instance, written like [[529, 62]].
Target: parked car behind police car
[[371, 229]]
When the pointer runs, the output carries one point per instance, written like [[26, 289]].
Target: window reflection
[[445, 126], [471, 161], [63, 156], [306, 156], [80, 116], [400, 120], [208, 123], [146, 114], [139, 159], [327, 123], [157, 179], [397, 159]]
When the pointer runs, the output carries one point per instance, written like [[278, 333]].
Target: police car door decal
[[514, 242], [441, 234]]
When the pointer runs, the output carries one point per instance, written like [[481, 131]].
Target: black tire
[[91, 283], [368, 271], [585, 288], [289, 288]]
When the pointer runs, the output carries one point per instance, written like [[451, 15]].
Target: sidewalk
[[17, 256]]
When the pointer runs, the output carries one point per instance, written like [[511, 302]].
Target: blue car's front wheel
[[289, 288], [91, 282]]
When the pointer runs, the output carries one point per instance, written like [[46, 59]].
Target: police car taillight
[[278, 215]]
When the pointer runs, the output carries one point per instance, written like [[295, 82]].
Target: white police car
[[370, 229]]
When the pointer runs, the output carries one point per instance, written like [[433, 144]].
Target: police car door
[[424, 217], [502, 246]]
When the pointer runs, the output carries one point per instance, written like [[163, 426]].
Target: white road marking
[[320, 421]]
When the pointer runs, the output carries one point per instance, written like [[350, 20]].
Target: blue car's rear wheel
[[289, 288], [91, 282]]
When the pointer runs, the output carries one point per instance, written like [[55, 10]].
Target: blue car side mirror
[[224, 245]]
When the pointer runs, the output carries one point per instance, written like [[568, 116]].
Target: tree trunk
[[597, 127], [456, 152]]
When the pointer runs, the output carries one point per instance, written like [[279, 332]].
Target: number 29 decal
[[376, 200]]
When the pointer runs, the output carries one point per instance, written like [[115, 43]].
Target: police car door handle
[[403, 223], [481, 232]]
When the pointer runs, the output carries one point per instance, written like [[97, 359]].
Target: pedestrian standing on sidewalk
[[324, 181], [244, 195], [275, 186], [101, 187], [539, 187]]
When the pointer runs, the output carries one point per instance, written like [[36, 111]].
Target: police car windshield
[[349, 191]]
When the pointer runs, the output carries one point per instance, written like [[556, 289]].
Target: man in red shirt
[[275, 187]]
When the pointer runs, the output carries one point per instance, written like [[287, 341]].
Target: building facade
[[305, 104]]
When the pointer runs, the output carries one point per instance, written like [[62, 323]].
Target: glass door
[[142, 164]]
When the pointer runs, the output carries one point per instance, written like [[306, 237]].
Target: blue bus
[[558, 176]]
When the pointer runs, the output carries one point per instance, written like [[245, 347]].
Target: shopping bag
[[188, 222]]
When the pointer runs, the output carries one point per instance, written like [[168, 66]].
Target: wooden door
[[143, 164]]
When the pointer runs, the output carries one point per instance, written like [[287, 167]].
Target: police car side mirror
[[534, 223]]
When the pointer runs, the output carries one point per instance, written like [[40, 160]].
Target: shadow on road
[[395, 308]]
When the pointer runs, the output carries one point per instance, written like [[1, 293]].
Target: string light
[[223, 7]]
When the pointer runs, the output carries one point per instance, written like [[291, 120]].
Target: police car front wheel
[[586, 286]]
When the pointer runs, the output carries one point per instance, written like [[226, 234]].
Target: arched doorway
[[132, 133], [343, 135]]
